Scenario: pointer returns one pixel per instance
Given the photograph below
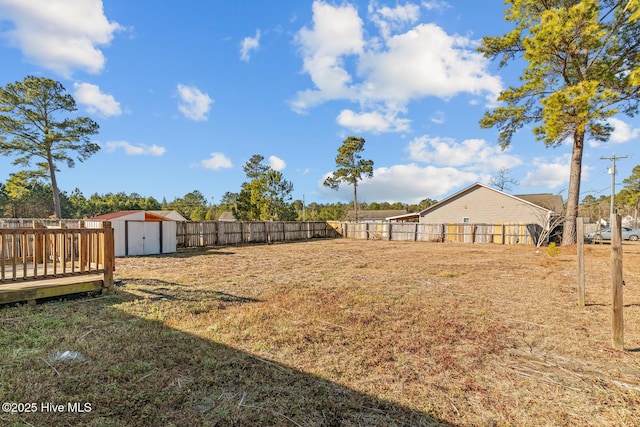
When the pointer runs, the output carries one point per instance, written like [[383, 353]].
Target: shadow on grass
[[136, 371], [156, 290]]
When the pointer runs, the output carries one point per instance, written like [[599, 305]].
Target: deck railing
[[45, 253]]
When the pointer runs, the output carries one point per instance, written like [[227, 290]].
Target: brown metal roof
[[114, 215]]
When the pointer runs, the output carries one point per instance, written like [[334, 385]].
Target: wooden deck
[[30, 291], [40, 263]]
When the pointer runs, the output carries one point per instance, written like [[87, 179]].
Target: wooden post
[[616, 283], [39, 244], [219, 233], [108, 253], [580, 237], [82, 246]]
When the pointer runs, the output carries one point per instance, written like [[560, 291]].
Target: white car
[[605, 234]]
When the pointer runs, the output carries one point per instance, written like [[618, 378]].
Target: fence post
[[580, 237], [616, 283], [108, 254]]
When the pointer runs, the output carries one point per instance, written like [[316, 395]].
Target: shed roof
[[134, 214], [169, 214]]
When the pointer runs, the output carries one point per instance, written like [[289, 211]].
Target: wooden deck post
[[82, 247], [616, 283], [38, 243], [108, 260]]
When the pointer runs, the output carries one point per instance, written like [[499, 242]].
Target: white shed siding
[[484, 205], [169, 233]]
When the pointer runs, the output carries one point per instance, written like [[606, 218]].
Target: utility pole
[[612, 171]]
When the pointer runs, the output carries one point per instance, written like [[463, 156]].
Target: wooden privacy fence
[[193, 234], [45, 253], [40, 222], [460, 233]]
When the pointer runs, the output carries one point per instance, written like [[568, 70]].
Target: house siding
[[484, 205]]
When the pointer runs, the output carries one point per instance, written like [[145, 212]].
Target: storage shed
[[139, 232]]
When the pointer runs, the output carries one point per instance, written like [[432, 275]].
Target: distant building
[[480, 204], [227, 216], [374, 215]]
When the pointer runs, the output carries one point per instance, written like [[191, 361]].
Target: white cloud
[[409, 183], [551, 173], [337, 32], [622, 131], [194, 104], [277, 163], [433, 63], [419, 62], [470, 154], [435, 4], [388, 19], [60, 35], [135, 150], [450, 166], [96, 101], [249, 44], [374, 122], [216, 161], [438, 117]]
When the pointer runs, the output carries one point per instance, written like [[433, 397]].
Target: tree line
[[33, 200], [24, 198]]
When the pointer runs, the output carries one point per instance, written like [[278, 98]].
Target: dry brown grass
[[336, 332]]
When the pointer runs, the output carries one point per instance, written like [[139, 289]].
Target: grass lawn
[[332, 332]]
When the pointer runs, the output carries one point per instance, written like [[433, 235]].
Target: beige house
[[480, 204]]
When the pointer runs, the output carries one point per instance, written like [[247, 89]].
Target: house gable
[[481, 204]]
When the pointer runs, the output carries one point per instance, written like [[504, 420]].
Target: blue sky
[[186, 91]]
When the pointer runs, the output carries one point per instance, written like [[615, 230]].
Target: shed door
[[151, 237], [143, 238], [135, 238]]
